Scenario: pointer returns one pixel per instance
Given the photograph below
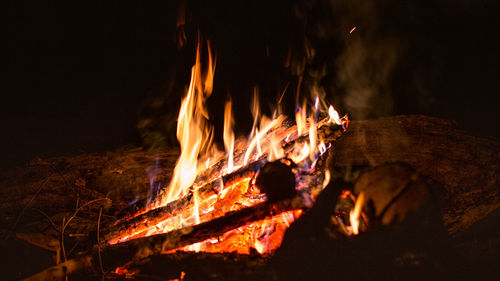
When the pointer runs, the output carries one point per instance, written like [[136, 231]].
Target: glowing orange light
[[355, 214]]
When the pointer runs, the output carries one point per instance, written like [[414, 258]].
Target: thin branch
[[98, 244], [48, 218], [29, 202]]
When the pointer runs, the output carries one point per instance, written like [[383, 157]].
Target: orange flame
[[229, 136], [355, 214], [193, 132]]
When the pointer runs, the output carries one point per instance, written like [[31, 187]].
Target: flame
[[300, 118], [326, 180], [229, 135], [312, 139], [334, 116], [265, 126], [355, 214], [124, 272], [193, 132]]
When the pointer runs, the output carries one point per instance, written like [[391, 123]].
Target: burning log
[[327, 131], [173, 208], [161, 243]]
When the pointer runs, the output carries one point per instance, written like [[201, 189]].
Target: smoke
[[343, 51], [364, 76], [348, 56]]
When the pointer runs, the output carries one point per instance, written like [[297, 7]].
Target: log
[[161, 243], [175, 207], [466, 166]]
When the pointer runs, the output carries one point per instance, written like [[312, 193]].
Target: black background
[[77, 72]]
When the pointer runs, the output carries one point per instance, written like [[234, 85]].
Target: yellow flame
[[265, 126], [255, 109], [356, 213], [229, 136], [301, 120], [312, 139], [322, 147], [193, 132], [326, 180], [276, 151], [259, 245], [334, 115]]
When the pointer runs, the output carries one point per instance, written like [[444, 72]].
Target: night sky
[[80, 75]]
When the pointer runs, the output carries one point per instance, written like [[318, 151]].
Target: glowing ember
[[123, 271]]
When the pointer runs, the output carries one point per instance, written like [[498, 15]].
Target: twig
[[65, 224], [74, 246], [79, 208], [54, 169], [29, 203], [48, 218], [62, 239], [98, 244]]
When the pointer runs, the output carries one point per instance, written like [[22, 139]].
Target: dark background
[[80, 76]]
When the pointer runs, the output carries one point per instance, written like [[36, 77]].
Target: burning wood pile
[[243, 200], [268, 178]]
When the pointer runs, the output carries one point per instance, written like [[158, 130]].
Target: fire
[[193, 132], [229, 136], [200, 164], [334, 116], [355, 214]]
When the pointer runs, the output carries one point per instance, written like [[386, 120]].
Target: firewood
[[175, 207], [326, 131]]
